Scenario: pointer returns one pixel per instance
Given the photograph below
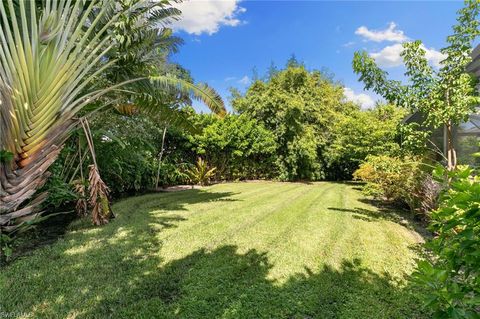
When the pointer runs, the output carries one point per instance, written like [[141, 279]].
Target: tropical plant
[[201, 173], [51, 63], [445, 96], [450, 279], [144, 43]]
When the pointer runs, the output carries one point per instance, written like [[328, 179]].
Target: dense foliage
[[331, 145], [238, 146], [298, 106], [361, 133], [128, 147], [128, 142], [402, 180], [452, 276]]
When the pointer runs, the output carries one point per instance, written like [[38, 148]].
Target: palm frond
[[201, 92]]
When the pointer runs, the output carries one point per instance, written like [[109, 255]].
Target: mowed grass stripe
[[204, 217], [261, 235], [181, 201], [159, 206], [373, 241], [265, 212], [309, 237], [209, 229]]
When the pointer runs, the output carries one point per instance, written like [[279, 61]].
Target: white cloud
[[362, 99], [391, 34], [434, 56], [244, 81], [229, 78], [207, 16], [348, 44], [390, 56]]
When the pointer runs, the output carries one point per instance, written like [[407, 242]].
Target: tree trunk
[[160, 157], [451, 153]]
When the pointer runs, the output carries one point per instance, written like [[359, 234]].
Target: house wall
[[474, 66]]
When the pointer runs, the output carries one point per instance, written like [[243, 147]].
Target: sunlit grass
[[244, 250]]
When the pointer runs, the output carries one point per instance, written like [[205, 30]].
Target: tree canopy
[[445, 96], [298, 106]]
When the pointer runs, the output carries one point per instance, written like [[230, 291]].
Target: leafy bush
[[173, 174], [59, 192], [127, 150], [240, 147], [452, 277], [397, 179], [359, 134]]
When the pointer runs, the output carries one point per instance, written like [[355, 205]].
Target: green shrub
[[396, 179], [451, 277], [59, 192], [173, 174], [128, 148], [238, 146], [361, 133]]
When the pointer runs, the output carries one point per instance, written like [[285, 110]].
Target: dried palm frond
[[101, 210], [81, 207], [126, 109]]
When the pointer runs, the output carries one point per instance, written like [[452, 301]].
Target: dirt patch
[[178, 188]]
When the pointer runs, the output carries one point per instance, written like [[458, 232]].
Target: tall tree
[[445, 96], [298, 106]]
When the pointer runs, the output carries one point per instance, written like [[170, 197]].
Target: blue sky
[[226, 39]]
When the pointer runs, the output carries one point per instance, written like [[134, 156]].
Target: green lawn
[[238, 250]]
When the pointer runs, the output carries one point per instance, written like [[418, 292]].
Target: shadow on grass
[[54, 228], [179, 200], [385, 212], [225, 284]]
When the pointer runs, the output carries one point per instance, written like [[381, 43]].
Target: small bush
[[402, 180], [173, 174], [451, 277], [201, 172]]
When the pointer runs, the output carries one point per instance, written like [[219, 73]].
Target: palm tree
[[51, 67]]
